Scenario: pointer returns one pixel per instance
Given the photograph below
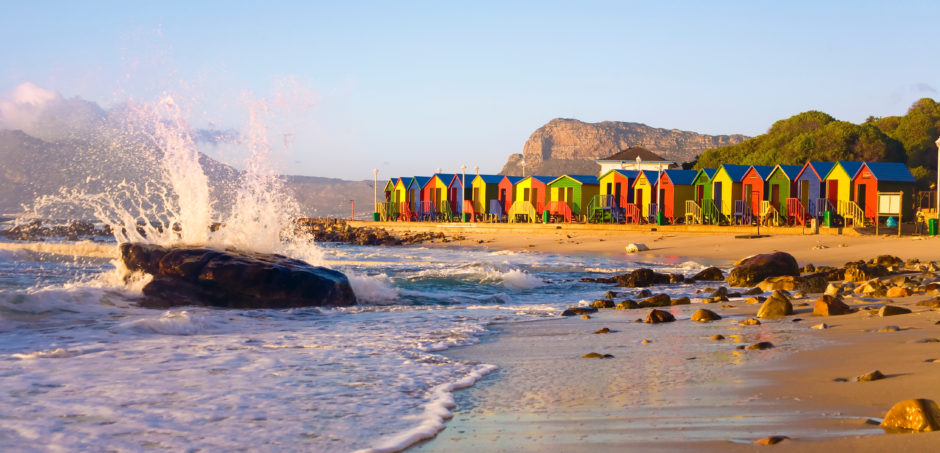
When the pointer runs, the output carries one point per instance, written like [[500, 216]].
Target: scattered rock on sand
[[578, 311], [585, 316], [830, 306], [681, 301], [833, 289], [645, 342], [753, 292], [752, 270], [821, 326], [916, 415], [627, 305], [718, 337], [603, 303], [771, 440], [602, 330], [891, 310], [659, 316], [749, 322], [754, 300], [927, 340], [871, 376], [776, 306], [703, 315], [659, 300], [855, 272], [898, 291], [888, 329], [595, 355], [634, 248], [709, 274], [760, 346], [931, 303]]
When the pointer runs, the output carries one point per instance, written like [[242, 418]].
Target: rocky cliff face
[[571, 146]]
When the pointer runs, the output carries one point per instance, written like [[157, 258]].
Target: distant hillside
[[571, 146], [815, 135]]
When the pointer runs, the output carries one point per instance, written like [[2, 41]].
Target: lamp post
[[463, 188], [638, 161], [523, 167], [375, 191], [477, 170]]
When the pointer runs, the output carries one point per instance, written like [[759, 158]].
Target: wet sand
[[545, 397]]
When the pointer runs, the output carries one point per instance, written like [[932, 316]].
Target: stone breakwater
[[338, 230]]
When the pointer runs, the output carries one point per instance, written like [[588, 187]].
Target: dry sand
[[545, 398]]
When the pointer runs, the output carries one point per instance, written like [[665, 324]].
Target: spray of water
[[174, 204]]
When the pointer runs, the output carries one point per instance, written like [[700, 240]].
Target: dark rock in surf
[[755, 269], [230, 279], [709, 274]]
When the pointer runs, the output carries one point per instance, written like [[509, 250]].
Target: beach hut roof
[[490, 179], [763, 170], [850, 166], [790, 171], [651, 176], [890, 171], [446, 178], [582, 179], [631, 153], [513, 179], [629, 174], [544, 179], [421, 181], [735, 172], [681, 177], [709, 172]]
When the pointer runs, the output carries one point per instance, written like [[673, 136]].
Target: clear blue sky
[[409, 87]]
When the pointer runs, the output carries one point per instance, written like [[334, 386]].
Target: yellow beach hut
[[644, 192], [726, 187], [485, 191]]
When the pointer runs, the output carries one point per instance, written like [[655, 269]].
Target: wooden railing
[[710, 212], [850, 211], [769, 212], [522, 209], [796, 212], [742, 212], [559, 209], [496, 210], [633, 213], [693, 212]]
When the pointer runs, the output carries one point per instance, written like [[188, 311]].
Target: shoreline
[[719, 246], [814, 410]]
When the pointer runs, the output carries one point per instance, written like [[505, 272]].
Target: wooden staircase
[[522, 209], [796, 212], [848, 210], [693, 213]]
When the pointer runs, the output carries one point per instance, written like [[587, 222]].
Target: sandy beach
[[544, 397]]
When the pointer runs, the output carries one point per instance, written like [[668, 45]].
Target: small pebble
[[646, 342], [717, 337], [585, 316], [771, 440], [821, 326], [603, 330], [840, 379]]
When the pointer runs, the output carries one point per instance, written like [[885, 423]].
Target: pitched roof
[[420, 180], [890, 171], [446, 178], [763, 170], [629, 174], [681, 177], [512, 179], [582, 179], [631, 153], [543, 179], [735, 172], [790, 171], [651, 176], [708, 172], [850, 166], [490, 179]]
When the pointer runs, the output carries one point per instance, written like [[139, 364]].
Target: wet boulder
[[709, 274], [573, 311], [828, 305], [855, 272], [776, 306], [659, 300], [659, 316], [913, 415], [703, 315], [755, 269], [185, 275], [891, 310]]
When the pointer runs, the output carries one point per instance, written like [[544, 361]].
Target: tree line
[[815, 135]]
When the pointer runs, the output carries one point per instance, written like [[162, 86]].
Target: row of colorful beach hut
[[843, 191]]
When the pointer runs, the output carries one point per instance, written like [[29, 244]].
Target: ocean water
[[84, 368]]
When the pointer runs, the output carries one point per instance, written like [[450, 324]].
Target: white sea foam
[[435, 413], [373, 289], [171, 323], [57, 353]]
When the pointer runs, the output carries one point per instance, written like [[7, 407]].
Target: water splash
[[174, 204]]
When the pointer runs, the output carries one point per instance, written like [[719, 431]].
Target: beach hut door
[[860, 196], [804, 193], [699, 194], [717, 196], [833, 187], [775, 195]]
